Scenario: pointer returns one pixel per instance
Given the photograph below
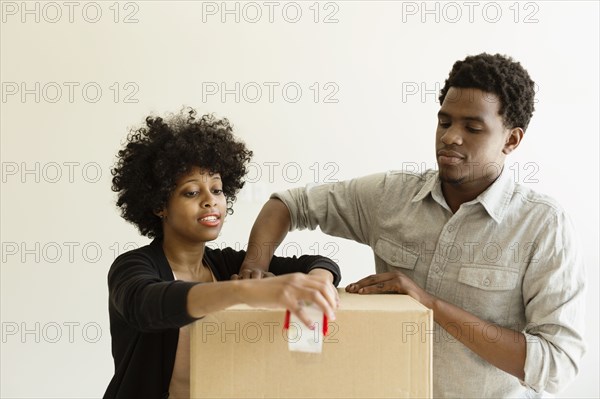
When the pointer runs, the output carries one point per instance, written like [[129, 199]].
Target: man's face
[[471, 140]]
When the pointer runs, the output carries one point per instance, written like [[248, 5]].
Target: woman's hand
[[292, 291]]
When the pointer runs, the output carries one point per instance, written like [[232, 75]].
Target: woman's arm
[[287, 291]]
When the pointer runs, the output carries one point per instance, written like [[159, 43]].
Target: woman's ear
[[160, 213], [513, 140]]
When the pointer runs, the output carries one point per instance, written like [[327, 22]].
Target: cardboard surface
[[378, 346]]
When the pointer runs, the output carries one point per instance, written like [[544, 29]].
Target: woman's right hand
[[292, 291]]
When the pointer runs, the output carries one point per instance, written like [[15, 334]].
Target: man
[[496, 262]]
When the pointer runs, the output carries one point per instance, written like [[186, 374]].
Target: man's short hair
[[499, 75]]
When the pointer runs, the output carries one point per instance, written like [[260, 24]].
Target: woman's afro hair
[[156, 155], [501, 76]]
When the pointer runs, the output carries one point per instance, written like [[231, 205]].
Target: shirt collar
[[430, 183], [494, 199]]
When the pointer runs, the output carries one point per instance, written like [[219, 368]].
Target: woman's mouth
[[210, 220]]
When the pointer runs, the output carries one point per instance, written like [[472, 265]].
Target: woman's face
[[196, 210]]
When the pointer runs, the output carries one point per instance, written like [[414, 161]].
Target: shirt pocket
[[395, 254], [488, 279], [488, 292]]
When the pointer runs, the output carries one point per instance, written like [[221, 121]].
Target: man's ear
[[513, 140]]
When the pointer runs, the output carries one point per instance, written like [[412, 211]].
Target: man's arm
[[342, 209], [546, 354], [269, 230], [501, 347]]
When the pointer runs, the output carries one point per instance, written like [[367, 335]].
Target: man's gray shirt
[[510, 257]]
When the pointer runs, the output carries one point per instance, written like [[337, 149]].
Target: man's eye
[[444, 124]]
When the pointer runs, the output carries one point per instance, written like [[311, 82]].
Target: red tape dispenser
[[300, 337]]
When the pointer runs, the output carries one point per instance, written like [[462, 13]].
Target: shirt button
[[437, 269], [393, 258], [451, 228], [486, 282]]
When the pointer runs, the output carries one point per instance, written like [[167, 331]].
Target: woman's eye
[[191, 193], [218, 191], [473, 129]]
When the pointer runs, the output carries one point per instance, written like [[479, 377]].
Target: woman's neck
[[184, 258]]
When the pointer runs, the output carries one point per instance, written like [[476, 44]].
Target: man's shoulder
[[405, 178], [533, 200], [411, 175]]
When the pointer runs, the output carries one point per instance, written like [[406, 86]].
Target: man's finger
[[256, 274], [382, 287], [245, 274], [368, 281]]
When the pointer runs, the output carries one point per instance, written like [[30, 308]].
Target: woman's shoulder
[[226, 254], [150, 255], [227, 260], [149, 250]]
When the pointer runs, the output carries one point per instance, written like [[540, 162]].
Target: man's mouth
[[447, 157]]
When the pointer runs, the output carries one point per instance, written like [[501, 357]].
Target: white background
[[377, 67]]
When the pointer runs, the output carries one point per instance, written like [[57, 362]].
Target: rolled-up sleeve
[[553, 293], [345, 209]]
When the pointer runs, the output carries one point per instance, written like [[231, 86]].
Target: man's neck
[[457, 194]]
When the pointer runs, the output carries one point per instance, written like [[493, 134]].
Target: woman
[[176, 181]]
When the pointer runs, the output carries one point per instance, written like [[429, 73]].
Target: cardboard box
[[378, 346]]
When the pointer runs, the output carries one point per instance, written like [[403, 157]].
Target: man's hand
[[507, 353], [248, 274], [391, 283]]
